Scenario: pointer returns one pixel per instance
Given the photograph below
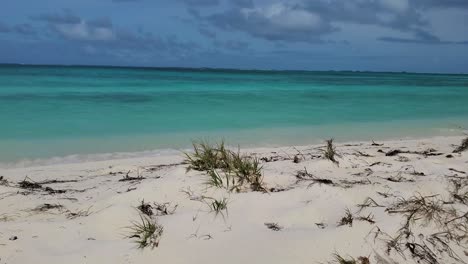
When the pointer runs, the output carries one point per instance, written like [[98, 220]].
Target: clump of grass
[[330, 151], [247, 170], [237, 169], [463, 146], [347, 219], [147, 232], [207, 157]]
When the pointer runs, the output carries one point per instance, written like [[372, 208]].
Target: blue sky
[[377, 35]]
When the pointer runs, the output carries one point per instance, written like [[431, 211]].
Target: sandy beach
[[402, 201]]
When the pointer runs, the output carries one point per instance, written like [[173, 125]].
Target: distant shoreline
[[232, 70]]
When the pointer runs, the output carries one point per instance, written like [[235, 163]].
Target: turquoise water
[[58, 111]]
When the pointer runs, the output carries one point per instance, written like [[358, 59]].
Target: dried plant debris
[[462, 147], [367, 172], [157, 209], [338, 259], [79, 213], [145, 208], [376, 144], [425, 153], [347, 219], [457, 171], [47, 207], [459, 190], [368, 202], [418, 207], [56, 181], [29, 185], [304, 175], [321, 225], [34, 186], [3, 181], [273, 226], [127, 177], [361, 154], [330, 151], [369, 218], [349, 184]]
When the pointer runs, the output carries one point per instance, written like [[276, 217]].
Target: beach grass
[[147, 232], [225, 168]]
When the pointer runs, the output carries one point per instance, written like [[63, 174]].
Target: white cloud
[[84, 31], [286, 17]]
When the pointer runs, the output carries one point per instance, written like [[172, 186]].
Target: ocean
[[86, 112]]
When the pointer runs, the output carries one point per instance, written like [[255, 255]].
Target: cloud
[[101, 37], [71, 26], [274, 22], [310, 20], [21, 29]]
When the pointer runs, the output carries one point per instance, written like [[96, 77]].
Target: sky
[[367, 35]]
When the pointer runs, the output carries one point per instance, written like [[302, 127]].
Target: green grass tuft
[[146, 233], [225, 168]]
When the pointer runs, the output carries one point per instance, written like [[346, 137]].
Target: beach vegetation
[[330, 151], [207, 156], [225, 168], [218, 206], [462, 147], [347, 219], [157, 209], [274, 226], [338, 259], [147, 232]]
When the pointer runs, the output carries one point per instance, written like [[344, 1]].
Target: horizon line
[[218, 69]]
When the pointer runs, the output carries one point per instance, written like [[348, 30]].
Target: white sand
[[193, 234]]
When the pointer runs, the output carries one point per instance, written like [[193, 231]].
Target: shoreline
[[82, 211], [110, 156]]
